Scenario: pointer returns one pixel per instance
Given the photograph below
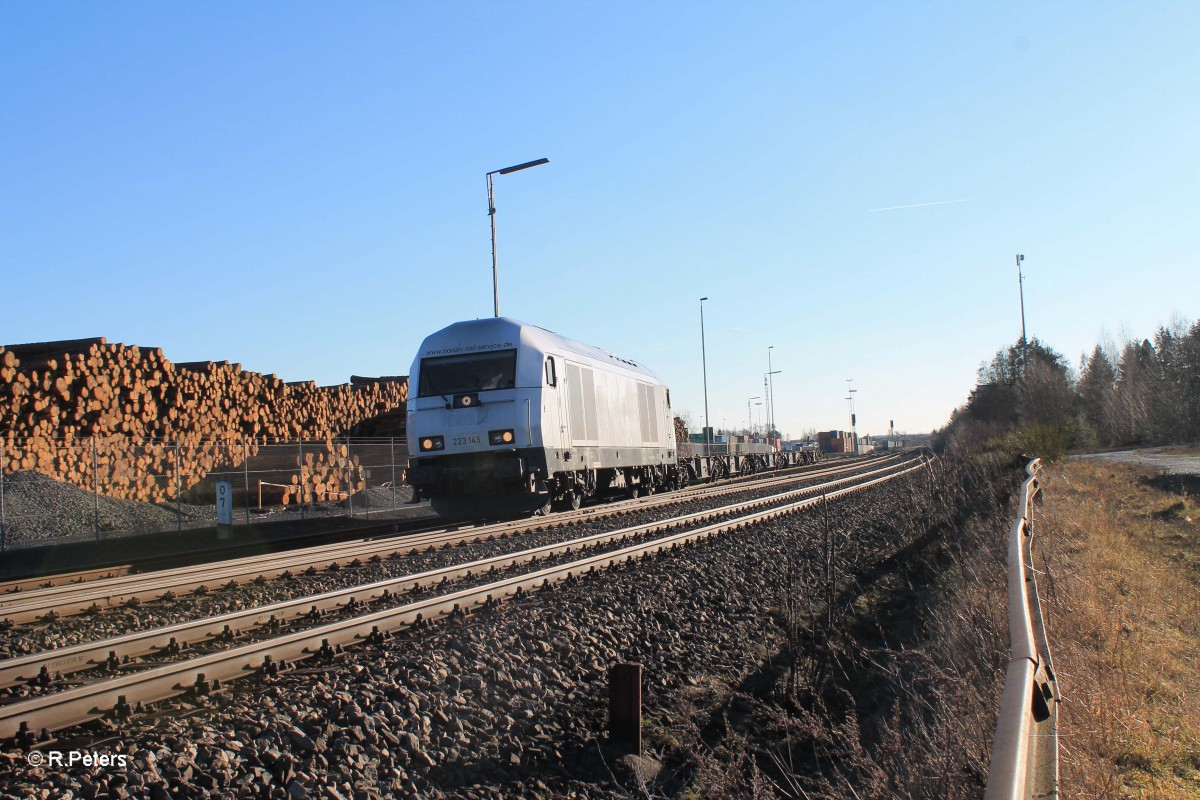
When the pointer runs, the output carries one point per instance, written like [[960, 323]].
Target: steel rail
[[76, 599], [1024, 762], [73, 707], [75, 658], [20, 585]]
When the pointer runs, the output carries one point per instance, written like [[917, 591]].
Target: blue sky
[[300, 186]]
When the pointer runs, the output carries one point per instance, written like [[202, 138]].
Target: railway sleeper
[[26, 738], [203, 687], [44, 678], [326, 650], [271, 668], [376, 637]]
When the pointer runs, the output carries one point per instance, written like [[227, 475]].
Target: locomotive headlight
[[430, 443], [501, 437]]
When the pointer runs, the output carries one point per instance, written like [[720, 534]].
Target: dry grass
[[1123, 606]]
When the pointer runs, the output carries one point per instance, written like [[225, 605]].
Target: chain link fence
[[54, 491]]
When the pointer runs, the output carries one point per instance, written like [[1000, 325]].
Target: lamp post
[[749, 416], [704, 367], [771, 395], [492, 216], [853, 421], [769, 380], [1021, 288]]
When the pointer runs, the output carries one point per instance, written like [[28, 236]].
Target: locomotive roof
[[484, 334]]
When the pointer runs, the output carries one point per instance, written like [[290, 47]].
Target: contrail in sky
[[918, 205]]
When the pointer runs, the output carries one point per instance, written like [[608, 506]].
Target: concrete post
[[625, 705]]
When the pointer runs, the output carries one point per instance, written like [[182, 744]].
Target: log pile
[[86, 411], [683, 445], [330, 475]]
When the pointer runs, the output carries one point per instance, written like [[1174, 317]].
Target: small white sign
[[224, 503]]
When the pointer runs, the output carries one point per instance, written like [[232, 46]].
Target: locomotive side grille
[[646, 411]]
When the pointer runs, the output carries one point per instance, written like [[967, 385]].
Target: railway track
[[67, 660], [79, 598], [388, 527], [198, 675]]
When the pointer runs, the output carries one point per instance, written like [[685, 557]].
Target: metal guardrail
[[1025, 749]]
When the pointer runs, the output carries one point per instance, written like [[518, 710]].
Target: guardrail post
[[625, 705]]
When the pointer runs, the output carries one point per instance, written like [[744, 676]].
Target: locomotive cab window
[[475, 372], [551, 378]]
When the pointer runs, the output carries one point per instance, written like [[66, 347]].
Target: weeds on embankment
[[881, 668], [1122, 601]]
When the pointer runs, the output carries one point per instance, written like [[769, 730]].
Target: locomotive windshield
[[474, 372]]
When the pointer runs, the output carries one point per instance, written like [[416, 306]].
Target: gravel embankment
[[509, 703]]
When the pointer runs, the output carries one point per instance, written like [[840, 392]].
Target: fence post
[[2, 462], [349, 479], [300, 471], [96, 487], [178, 488], [246, 475]]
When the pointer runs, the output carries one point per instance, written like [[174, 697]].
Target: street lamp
[[769, 388], [749, 416], [853, 421], [704, 366], [771, 395], [492, 215], [768, 380], [1021, 287]]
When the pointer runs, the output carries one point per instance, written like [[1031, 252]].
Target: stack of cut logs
[[323, 475], [682, 444], [145, 416]]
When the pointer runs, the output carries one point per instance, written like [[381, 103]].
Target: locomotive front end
[[470, 425]]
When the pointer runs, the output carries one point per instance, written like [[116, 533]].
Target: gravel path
[[509, 703], [1163, 461]]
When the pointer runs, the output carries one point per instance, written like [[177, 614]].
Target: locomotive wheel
[[575, 500]]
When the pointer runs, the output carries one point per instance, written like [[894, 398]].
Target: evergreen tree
[[1096, 391]]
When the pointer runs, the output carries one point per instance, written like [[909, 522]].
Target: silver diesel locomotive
[[506, 417]]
